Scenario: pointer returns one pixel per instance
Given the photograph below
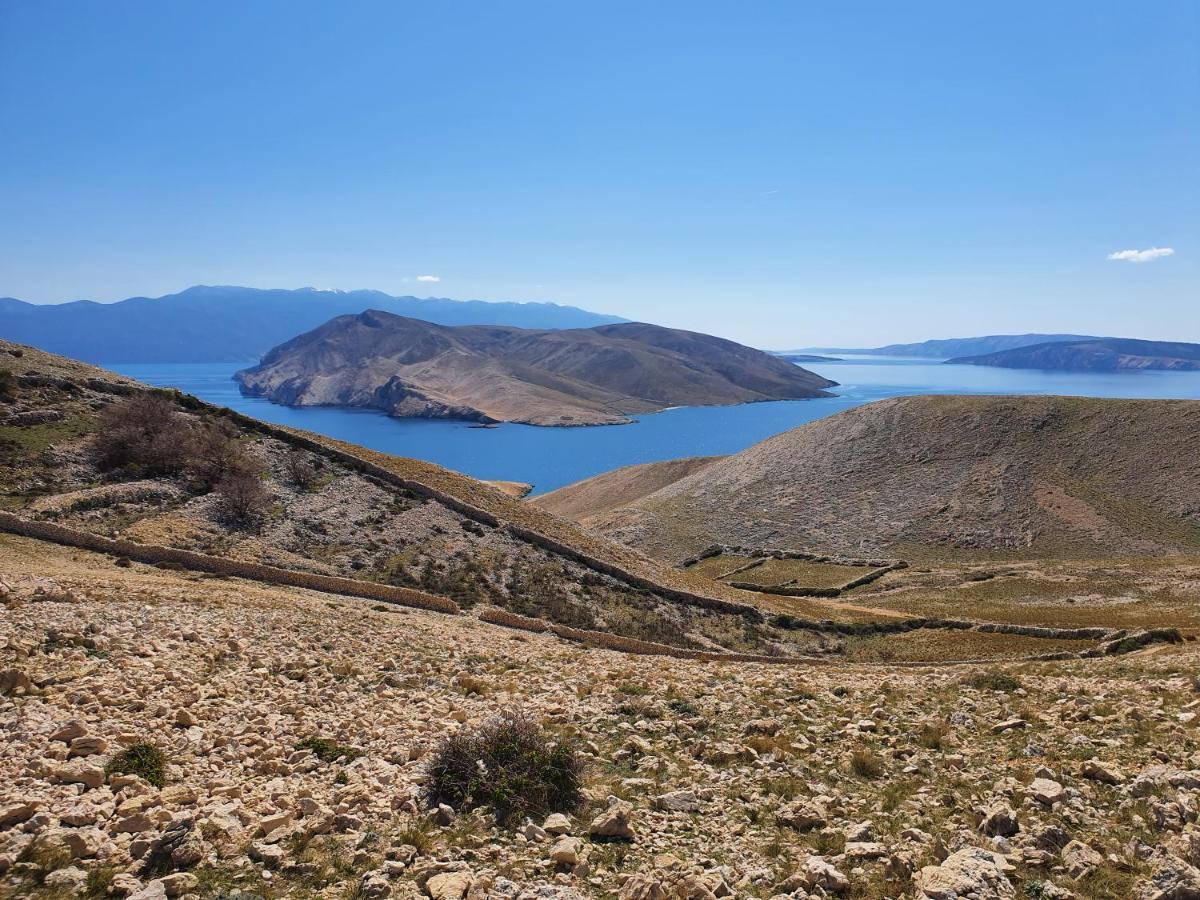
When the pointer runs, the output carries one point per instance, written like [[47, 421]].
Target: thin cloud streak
[[1142, 256]]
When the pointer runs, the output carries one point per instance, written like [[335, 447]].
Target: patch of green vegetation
[[510, 765], [23, 441], [142, 759], [994, 681], [328, 750]]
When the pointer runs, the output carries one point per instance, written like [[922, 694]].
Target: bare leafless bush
[[215, 453], [145, 434], [242, 497], [301, 469]]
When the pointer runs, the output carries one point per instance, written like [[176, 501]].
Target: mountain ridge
[[231, 323], [1099, 355], [943, 348]]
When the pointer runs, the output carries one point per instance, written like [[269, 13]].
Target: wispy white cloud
[[429, 278], [1142, 256]]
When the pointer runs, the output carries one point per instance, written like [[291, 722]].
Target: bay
[[552, 457]]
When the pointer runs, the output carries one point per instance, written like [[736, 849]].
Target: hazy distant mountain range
[[1098, 355], [240, 324], [950, 347], [581, 376]]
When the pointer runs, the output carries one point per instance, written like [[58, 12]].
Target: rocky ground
[[1051, 780]]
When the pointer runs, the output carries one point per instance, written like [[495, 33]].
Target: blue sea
[[551, 457]]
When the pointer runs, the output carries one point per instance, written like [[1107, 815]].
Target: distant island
[[587, 376], [950, 347], [806, 357], [1094, 355], [240, 324]]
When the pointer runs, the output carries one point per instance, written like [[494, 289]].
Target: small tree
[[242, 496], [146, 434], [300, 469], [215, 453]]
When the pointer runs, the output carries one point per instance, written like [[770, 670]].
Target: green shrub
[[141, 759], [510, 765], [994, 681], [328, 750]]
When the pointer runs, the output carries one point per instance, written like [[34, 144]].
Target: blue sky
[[784, 174]]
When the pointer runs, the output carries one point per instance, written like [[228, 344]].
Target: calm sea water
[[551, 457]]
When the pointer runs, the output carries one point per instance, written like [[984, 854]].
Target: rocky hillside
[[93, 452], [587, 376], [173, 736], [1096, 355], [935, 475]]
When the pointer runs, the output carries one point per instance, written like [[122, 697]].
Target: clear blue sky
[[784, 174]]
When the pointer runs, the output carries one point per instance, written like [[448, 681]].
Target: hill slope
[[947, 347], [1099, 355], [930, 475], [240, 324], [602, 493], [357, 514], [586, 376]]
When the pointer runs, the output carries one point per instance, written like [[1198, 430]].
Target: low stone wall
[[879, 568], [217, 565], [772, 553], [606, 641], [873, 575], [496, 616], [470, 511], [783, 590], [902, 626], [686, 597]]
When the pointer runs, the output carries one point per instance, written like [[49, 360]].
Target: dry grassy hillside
[[931, 476], [584, 500]]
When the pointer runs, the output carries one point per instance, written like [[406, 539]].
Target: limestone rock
[[1080, 860], [614, 822], [972, 873]]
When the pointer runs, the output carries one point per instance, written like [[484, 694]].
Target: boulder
[[1000, 820], [677, 801], [566, 850], [1080, 860], [449, 885], [1172, 879], [1046, 791], [972, 873], [557, 823], [614, 822], [803, 815]]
